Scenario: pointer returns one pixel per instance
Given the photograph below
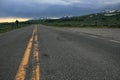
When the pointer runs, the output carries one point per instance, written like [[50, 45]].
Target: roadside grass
[[5, 27]]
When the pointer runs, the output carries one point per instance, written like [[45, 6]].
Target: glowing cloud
[[13, 19]]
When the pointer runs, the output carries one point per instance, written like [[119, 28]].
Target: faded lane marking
[[115, 41], [93, 36], [36, 68], [21, 73]]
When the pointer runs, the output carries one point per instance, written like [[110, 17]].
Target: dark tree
[[103, 18], [17, 22]]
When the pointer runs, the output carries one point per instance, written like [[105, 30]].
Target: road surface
[[45, 53]]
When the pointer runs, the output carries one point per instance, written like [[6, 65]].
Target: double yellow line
[[21, 73], [36, 68]]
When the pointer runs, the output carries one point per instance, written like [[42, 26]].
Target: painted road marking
[[104, 38], [21, 73], [93, 36], [115, 41], [36, 68]]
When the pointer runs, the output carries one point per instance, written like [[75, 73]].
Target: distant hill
[[111, 11], [107, 18]]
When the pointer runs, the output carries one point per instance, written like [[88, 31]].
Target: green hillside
[[92, 20]]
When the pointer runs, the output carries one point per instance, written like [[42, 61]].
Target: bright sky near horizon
[[11, 10], [2, 20]]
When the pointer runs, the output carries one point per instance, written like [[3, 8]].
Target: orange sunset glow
[[2, 20]]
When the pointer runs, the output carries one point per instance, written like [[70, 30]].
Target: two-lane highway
[[46, 53]]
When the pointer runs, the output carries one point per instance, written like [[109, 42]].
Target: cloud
[[58, 2], [111, 2], [13, 19], [51, 8], [50, 2]]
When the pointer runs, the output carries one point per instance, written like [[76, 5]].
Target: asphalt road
[[63, 55]]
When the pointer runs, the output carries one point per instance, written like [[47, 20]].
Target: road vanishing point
[[41, 52]]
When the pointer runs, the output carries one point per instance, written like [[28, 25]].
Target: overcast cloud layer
[[54, 8]]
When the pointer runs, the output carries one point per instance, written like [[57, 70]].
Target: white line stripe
[[94, 36], [115, 41]]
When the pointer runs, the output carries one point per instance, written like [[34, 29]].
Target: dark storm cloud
[[53, 8]]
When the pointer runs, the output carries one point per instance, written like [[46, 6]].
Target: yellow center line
[[21, 73], [36, 70]]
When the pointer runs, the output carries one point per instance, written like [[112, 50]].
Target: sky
[[28, 9]]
